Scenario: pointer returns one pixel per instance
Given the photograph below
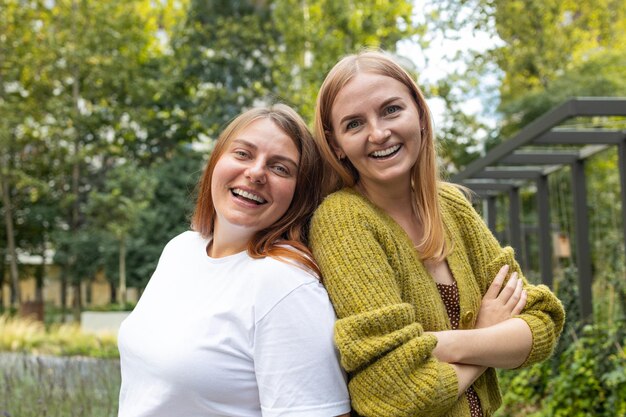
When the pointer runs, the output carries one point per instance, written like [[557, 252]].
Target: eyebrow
[[353, 115], [277, 157]]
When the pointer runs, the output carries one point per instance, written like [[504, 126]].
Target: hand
[[496, 305]]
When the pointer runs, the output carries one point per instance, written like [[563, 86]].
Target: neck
[[227, 242], [395, 200]]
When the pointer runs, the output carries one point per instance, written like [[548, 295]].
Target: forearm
[[466, 375], [504, 345]]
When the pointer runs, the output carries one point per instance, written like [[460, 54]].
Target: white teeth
[[249, 196], [385, 152]]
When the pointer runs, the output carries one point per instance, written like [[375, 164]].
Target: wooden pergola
[[531, 156]]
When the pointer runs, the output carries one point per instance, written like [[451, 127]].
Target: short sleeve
[[296, 363]]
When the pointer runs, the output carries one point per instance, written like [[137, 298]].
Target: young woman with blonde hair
[[428, 302], [234, 321]]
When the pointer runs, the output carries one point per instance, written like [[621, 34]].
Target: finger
[[517, 293], [508, 289], [520, 304], [496, 285]]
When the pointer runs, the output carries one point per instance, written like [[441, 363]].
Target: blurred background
[[109, 109]]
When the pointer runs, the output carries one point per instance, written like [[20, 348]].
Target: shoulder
[[276, 282], [280, 276], [347, 220], [186, 244], [181, 251], [455, 202], [453, 196], [344, 199], [286, 270], [185, 241], [344, 207], [464, 225]]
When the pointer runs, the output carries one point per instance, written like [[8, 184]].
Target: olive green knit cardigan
[[385, 300]]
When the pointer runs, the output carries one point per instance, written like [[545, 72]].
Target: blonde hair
[[424, 174], [291, 228]]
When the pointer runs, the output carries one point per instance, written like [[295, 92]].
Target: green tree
[[222, 53], [314, 34], [460, 135], [21, 60], [103, 78], [169, 214], [550, 47], [602, 74], [117, 208], [543, 53]]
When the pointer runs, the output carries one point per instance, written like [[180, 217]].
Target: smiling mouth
[[385, 153], [248, 196]]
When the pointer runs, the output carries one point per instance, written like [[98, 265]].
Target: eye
[[280, 170], [392, 109], [353, 124], [241, 154]]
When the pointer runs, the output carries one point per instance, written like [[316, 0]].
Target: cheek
[[221, 172], [214, 184], [287, 193]]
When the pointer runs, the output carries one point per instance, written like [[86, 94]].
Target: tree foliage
[[222, 53], [542, 53], [117, 208], [103, 102], [588, 378], [169, 213], [90, 86], [315, 34]]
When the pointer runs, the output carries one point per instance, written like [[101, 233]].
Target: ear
[[334, 145]]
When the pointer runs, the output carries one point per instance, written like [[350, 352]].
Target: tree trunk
[[113, 289], [39, 274], [8, 221], [75, 216], [77, 301], [123, 271], [1, 286], [89, 293], [64, 294]]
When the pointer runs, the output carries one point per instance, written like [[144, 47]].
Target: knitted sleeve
[[543, 313], [392, 370]]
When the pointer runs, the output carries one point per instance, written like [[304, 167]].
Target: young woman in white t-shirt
[[235, 321]]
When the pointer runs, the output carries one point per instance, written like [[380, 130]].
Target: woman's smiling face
[[375, 125], [254, 180]]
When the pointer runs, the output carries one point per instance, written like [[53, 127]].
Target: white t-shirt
[[231, 336]]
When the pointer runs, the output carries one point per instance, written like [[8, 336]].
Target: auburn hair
[[291, 228], [424, 174]]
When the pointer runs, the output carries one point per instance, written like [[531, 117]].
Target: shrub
[[592, 376], [28, 336], [587, 379]]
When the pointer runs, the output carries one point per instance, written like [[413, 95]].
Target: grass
[[47, 386], [56, 371]]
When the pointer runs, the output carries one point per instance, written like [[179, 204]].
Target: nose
[[255, 173], [379, 134]]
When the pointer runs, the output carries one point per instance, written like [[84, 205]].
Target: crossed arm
[[497, 341], [380, 334]]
